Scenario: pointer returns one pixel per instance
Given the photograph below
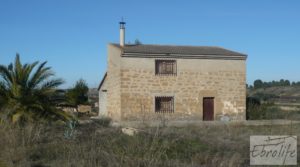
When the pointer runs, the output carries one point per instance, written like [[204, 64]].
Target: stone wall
[[103, 98], [222, 79], [113, 83]]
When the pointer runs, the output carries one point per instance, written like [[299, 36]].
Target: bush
[[252, 108], [103, 121], [257, 111]]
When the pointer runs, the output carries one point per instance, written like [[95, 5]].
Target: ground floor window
[[164, 104]]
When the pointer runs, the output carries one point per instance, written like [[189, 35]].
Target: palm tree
[[27, 91]]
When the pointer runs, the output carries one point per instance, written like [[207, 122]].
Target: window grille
[[164, 104], [165, 67]]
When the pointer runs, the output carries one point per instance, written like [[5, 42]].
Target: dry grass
[[95, 145]]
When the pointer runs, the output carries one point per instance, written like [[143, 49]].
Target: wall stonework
[[103, 98], [113, 83], [132, 86], [139, 87]]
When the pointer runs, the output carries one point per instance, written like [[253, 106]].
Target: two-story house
[[179, 82]]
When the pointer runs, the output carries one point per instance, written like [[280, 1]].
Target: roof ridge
[[171, 45]]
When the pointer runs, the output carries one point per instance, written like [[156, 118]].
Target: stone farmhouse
[[188, 83]]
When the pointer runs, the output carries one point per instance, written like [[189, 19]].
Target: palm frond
[[27, 70], [18, 68], [51, 84], [43, 75], [35, 78], [5, 74], [3, 90]]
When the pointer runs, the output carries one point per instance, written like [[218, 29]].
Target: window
[[164, 104], [165, 67]]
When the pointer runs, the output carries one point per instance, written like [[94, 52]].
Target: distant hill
[[277, 94]]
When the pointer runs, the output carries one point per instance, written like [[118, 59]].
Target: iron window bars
[[165, 67], [164, 104]]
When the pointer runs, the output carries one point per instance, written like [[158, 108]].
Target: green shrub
[[269, 111], [253, 106], [103, 121]]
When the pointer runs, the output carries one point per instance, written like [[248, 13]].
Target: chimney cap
[[122, 24]]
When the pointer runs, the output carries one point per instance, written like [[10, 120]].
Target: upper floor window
[[165, 67]]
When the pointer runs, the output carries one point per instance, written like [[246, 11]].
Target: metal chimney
[[122, 33]]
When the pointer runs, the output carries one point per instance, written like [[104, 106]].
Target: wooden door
[[208, 108]]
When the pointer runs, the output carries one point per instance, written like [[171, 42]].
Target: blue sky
[[72, 35]]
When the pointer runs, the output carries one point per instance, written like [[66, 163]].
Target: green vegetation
[[95, 145], [268, 111], [103, 121], [260, 84], [137, 42], [257, 84], [27, 92], [78, 94], [277, 100]]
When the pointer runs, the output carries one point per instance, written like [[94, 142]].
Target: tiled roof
[[180, 50]]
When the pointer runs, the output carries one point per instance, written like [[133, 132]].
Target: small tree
[[287, 83], [78, 94], [258, 84], [137, 42]]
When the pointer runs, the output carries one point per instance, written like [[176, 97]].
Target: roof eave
[[102, 81], [184, 56]]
